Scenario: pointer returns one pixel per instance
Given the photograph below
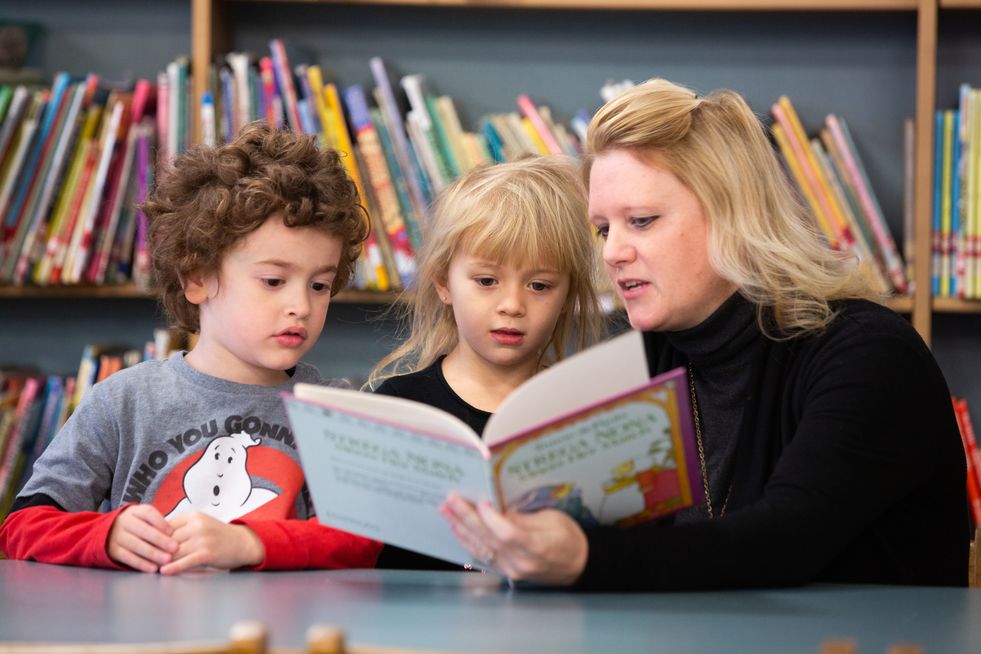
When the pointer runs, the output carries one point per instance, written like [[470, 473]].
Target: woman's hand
[[545, 547], [141, 538], [207, 542]]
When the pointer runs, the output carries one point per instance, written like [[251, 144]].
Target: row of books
[[973, 456], [834, 185], [404, 142], [33, 406], [956, 219], [75, 160]]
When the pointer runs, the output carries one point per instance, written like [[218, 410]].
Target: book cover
[[617, 451]]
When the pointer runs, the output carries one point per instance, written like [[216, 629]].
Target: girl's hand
[[545, 547], [141, 538], [207, 542]]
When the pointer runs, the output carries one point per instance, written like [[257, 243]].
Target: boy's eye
[[272, 282], [320, 287]]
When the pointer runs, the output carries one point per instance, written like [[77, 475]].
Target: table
[[473, 612]]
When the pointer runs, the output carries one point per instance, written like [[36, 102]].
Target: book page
[[601, 372], [620, 462], [399, 411], [383, 481]]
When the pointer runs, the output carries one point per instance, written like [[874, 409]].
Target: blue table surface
[[472, 612]]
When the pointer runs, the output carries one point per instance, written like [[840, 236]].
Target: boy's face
[[266, 307], [505, 315]]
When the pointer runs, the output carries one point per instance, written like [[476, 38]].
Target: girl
[[505, 286]]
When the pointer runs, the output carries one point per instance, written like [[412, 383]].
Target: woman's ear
[[195, 288]]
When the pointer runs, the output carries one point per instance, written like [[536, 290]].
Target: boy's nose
[[299, 304]]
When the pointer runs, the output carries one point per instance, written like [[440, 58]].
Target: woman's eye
[[643, 221], [603, 231]]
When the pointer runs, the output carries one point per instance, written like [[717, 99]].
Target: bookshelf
[[212, 29], [711, 43]]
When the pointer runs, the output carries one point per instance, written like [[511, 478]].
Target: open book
[[593, 436]]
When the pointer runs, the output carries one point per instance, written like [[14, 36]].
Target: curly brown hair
[[211, 197]]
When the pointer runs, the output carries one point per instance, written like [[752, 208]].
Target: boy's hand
[[205, 541], [140, 538]]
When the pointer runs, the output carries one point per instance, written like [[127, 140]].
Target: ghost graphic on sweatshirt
[[219, 484]]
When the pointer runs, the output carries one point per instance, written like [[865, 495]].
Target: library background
[[876, 65]]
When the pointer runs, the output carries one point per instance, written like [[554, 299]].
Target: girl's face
[[656, 243], [505, 315]]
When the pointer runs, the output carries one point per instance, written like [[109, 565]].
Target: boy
[[249, 242]]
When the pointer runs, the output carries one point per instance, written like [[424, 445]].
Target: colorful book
[[393, 120], [972, 457], [377, 173], [869, 201], [530, 111], [617, 451], [284, 81]]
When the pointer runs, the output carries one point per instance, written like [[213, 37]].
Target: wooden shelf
[[960, 4], [955, 305], [645, 5], [131, 291]]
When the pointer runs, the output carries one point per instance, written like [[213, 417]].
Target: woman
[[828, 446]]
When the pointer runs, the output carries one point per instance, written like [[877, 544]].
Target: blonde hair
[[760, 237], [530, 210]]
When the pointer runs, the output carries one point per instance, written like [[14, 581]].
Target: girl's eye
[[485, 281], [272, 282], [540, 286]]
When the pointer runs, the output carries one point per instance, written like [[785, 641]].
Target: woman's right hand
[[546, 547], [141, 538]]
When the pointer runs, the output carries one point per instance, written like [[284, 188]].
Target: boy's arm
[[300, 544], [43, 532]]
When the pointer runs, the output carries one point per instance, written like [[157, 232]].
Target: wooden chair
[[243, 638], [974, 566]]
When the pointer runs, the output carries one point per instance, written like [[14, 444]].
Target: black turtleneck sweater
[[841, 450]]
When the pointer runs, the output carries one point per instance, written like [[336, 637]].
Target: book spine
[[396, 127], [530, 111], [870, 205], [284, 79], [793, 163], [381, 181], [971, 456]]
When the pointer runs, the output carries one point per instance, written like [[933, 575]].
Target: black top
[[429, 387], [847, 467]]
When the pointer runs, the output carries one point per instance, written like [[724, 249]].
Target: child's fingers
[[152, 538], [151, 516], [185, 563], [132, 560]]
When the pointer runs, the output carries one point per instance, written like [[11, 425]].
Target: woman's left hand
[[546, 546]]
